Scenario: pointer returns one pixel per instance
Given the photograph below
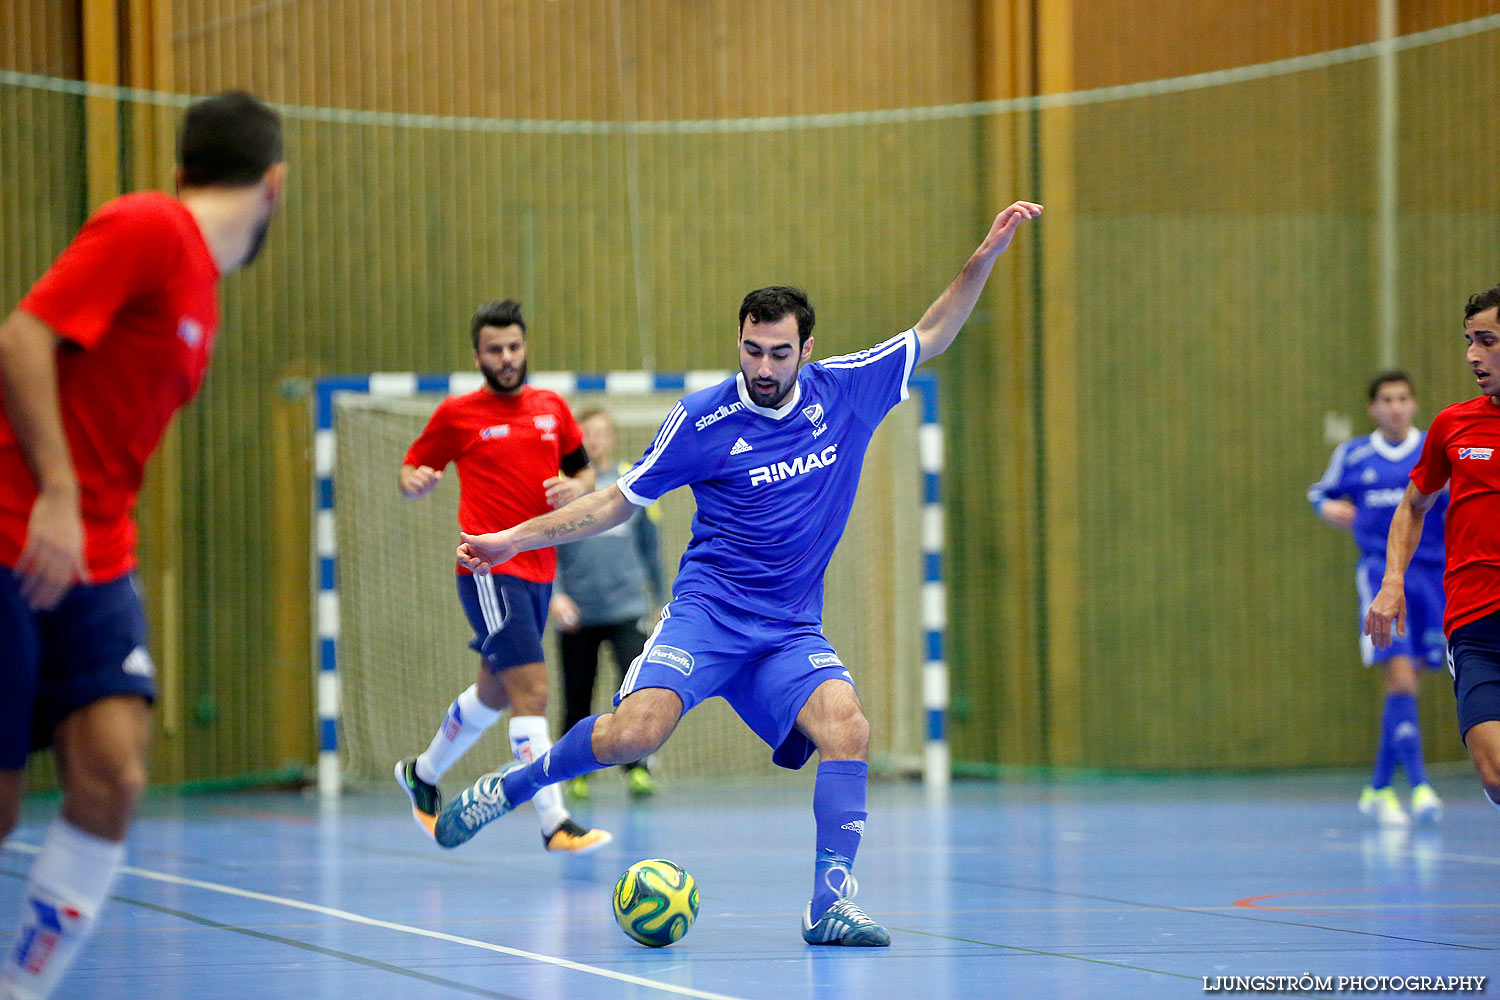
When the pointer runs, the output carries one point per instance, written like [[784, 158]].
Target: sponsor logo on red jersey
[[190, 331]]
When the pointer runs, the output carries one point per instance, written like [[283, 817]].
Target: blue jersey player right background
[[773, 457], [1365, 481]]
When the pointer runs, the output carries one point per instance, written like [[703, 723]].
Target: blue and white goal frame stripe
[[936, 762]]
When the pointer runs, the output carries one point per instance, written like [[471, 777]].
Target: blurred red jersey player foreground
[[109, 343]]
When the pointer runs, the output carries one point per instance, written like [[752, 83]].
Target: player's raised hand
[[562, 490], [481, 553], [52, 560], [1005, 225], [1388, 608], [416, 481]]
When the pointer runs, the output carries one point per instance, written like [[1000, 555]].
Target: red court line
[[1253, 903]]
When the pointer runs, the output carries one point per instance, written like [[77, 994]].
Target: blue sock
[[1405, 735], [570, 756], [1385, 754], [839, 809]]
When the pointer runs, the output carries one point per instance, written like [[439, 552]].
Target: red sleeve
[[570, 435], [1433, 469], [126, 249], [438, 443]]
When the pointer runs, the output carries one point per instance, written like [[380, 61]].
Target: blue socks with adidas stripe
[[1400, 742], [839, 810], [571, 756], [1406, 735]]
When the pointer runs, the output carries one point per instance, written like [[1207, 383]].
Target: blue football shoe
[[844, 923], [481, 803]]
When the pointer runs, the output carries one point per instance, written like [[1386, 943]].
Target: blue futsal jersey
[[1373, 474], [773, 486]]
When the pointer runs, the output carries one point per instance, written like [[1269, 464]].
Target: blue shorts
[[765, 668], [1424, 641], [508, 615], [1474, 658], [52, 663]]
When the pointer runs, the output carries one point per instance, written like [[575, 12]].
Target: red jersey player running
[[508, 440], [1462, 450], [99, 355]]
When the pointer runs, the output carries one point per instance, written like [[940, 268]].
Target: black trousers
[[580, 664]]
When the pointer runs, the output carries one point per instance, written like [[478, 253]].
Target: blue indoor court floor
[[1111, 888]]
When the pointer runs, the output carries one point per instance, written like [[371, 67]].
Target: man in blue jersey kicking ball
[[773, 456]]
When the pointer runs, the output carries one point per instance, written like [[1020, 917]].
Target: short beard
[[493, 381], [257, 241], [778, 400]]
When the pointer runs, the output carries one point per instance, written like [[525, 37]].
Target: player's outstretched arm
[[52, 559], [1389, 606], [585, 517], [941, 323]]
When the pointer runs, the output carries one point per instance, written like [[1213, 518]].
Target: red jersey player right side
[[94, 362], [1462, 450]]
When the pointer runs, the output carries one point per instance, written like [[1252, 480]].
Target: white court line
[[355, 918]]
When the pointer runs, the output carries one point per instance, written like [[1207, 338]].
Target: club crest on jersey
[[547, 424], [496, 431], [1476, 454], [677, 659], [190, 331], [814, 413], [762, 474]]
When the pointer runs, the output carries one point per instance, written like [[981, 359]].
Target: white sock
[[70, 880], [529, 739], [466, 721]]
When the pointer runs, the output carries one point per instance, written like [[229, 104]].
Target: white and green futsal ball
[[655, 902]]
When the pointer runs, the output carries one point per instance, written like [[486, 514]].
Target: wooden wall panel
[[42, 36], [593, 59], [1422, 15], [1126, 41]]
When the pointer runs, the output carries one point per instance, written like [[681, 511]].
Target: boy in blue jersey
[[1365, 481], [773, 458]]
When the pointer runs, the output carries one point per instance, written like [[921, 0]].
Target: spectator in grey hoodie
[[601, 595]]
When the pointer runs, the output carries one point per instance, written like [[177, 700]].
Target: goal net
[[402, 636]]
